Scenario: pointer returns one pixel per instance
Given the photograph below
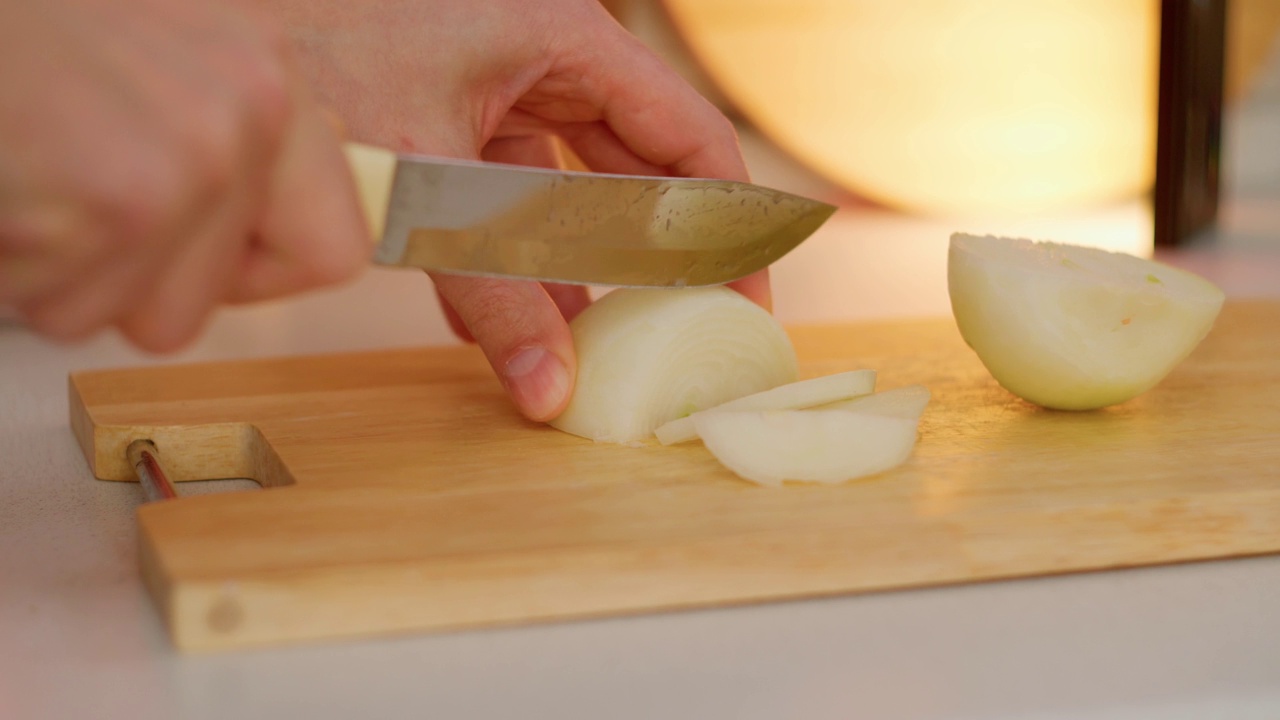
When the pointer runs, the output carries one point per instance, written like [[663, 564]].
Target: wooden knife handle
[[373, 169]]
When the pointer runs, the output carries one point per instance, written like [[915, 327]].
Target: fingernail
[[538, 382]]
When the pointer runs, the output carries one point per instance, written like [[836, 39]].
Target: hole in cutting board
[[212, 459]]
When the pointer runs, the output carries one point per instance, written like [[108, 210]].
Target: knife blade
[[490, 219]]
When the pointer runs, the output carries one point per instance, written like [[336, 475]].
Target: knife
[[490, 219]]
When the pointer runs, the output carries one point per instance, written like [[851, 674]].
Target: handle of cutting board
[[373, 169]]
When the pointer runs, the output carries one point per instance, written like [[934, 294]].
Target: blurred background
[[965, 109]]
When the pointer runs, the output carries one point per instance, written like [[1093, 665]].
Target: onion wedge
[[1075, 328], [792, 396], [646, 356], [829, 444]]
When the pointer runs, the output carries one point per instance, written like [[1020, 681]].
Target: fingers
[[603, 150], [37, 245], [312, 233], [522, 334], [521, 326], [540, 150], [533, 150], [186, 291], [203, 143], [570, 299], [456, 324], [623, 110], [517, 324], [756, 288], [537, 150], [641, 119], [649, 107], [94, 300]]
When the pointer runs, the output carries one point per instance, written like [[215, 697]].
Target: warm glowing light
[[946, 106]]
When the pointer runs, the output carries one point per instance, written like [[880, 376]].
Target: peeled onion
[[830, 444], [647, 356], [1075, 328], [792, 396]]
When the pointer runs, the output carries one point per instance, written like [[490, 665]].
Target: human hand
[[496, 80], [158, 158]]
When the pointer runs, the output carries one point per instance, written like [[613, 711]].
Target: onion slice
[[792, 396], [829, 444], [908, 401], [646, 356]]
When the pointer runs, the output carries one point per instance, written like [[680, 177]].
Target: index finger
[[651, 109]]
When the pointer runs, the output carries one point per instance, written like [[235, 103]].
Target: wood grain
[[403, 493]]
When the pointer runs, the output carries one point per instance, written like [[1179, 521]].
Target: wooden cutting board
[[404, 494]]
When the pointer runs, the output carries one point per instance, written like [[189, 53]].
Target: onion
[[829, 444], [647, 356], [1075, 328], [793, 396], [908, 401]]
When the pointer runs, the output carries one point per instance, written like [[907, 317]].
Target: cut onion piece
[[1075, 328], [908, 401], [646, 356], [830, 444], [793, 396]]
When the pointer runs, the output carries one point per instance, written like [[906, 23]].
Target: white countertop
[[79, 637]]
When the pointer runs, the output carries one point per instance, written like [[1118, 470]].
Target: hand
[[495, 80], [158, 158]]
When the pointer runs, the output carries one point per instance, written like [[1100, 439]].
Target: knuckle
[[723, 126], [224, 136], [264, 93], [274, 38], [140, 208], [334, 266], [213, 149], [717, 126], [33, 231], [307, 262]]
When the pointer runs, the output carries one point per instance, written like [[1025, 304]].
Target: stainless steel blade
[[585, 228]]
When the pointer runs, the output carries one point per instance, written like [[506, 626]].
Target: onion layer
[[792, 396]]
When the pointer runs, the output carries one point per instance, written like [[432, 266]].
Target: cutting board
[[402, 492]]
